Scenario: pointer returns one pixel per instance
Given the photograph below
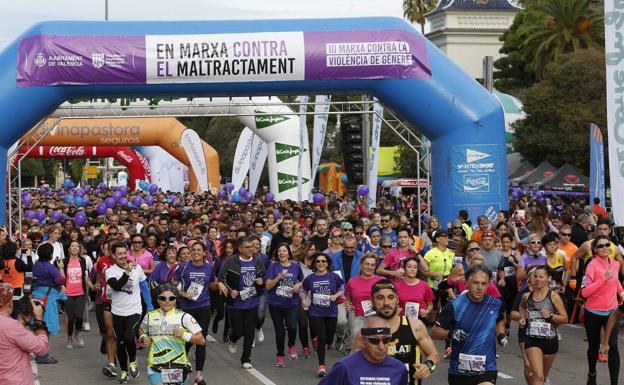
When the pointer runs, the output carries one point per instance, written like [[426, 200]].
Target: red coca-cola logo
[[548, 174], [571, 178], [67, 151]]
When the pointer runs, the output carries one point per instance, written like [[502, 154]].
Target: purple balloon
[[242, 191], [123, 202], [318, 198], [49, 193], [137, 200], [425, 218], [149, 200], [79, 192], [55, 216], [29, 214], [362, 190], [100, 208], [249, 196], [153, 188], [87, 188], [221, 194], [117, 195], [27, 201], [269, 197], [80, 218], [110, 203], [276, 214], [102, 186], [42, 189], [229, 186], [79, 201], [40, 215]]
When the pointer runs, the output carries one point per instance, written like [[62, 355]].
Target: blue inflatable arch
[[386, 57]]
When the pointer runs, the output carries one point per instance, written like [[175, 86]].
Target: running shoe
[[281, 362], [315, 343], [591, 378], [447, 353], [292, 352], [109, 370], [260, 335], [321, 371], [247, 365], [79, 342], [306, 353], [86, 327], [340, 343], [47, 361], [123, 378], [602, 357], [199, 380], [134, 369], [232, 347], [69, 345]]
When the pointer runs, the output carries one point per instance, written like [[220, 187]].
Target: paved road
[[82, 366]]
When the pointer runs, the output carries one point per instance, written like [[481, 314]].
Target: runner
[[103, 310], [475, 322]]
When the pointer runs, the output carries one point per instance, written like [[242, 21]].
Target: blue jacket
[[338, 266]]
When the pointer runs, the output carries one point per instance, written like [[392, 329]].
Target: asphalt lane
[[83, 365]]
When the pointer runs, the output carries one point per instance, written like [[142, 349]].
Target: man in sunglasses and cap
[[371, 364]]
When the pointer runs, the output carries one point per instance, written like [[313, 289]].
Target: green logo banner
[[285, 151], [264, 121], [287, 181]]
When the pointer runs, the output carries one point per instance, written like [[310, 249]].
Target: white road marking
[[35, 370], [505, 376], [261, 377]]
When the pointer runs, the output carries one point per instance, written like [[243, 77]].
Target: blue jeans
[[261, 310], [281, 315]]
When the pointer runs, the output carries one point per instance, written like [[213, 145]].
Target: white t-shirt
[[127, 301]]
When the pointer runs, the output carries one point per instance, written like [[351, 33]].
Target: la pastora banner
[[51, 60]]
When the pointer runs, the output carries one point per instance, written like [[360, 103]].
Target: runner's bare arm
[[424, 340], [561, 316]]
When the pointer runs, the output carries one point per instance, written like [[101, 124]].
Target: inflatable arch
[[57, 61], [272, 121], [165, 170], [167, 133], [124, 155]]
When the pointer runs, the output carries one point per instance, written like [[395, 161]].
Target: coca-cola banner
[[50, 60]]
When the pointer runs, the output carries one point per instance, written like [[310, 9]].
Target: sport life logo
[[98, 60], [40, 60], [476, 183], [249, 279], [473, 156]]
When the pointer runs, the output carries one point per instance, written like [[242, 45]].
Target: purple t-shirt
[[47, 274], [356, 369], [280, 297], [198, 277], [527, 260], [323, 285], [160, 273], [247, 282]]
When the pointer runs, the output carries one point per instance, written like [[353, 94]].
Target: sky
[[17, 16]]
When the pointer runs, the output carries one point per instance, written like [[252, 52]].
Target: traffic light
[[352, 148]]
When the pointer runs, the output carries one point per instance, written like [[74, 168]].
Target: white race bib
[[457, 260], [471, 363], [367, 307], [247, 293], [172, 375], [539, 329], [284, 291], [321, 300], [195, 289], [509, 271], [412, 309]]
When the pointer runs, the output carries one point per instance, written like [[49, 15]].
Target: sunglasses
[[565, 234], [457, 228], [386, 246], [163, 245], [112, 234], [376, 341], [473, 249], [602, 246], [137, 242], [320, 261], [168, 299], [359, 233], [535, 242], [385, 220]]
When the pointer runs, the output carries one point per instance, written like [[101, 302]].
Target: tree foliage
[[415, 11], [560, 107]]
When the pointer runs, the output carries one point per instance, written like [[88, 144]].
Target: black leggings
[[126, 329], [74, 309], [202, 316], [243, 324], [303, 328], [324, 328], [593, 324]]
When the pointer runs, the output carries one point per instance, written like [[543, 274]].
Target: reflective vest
[[165, 347]]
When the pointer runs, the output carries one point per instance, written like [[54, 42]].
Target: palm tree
[[569, 25], [415, 10]]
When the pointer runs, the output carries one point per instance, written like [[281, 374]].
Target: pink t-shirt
[[73, 284], [460, 286], [144, 260], [420, 292], [602, 295], [359, 290], [395, 257]]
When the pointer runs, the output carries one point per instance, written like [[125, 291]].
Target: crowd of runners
[[371, 284]]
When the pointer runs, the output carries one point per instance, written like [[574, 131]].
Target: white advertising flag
[[258, 159], [320, 127], [373, 159], [192, 144], [303, 131], [614, 49], [242, 158]]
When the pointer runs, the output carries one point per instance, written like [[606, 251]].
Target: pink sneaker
[[281, 362], [292, 353], [321, 371], [306, 353]]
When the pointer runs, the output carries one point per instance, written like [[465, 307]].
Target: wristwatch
[[431, 365]]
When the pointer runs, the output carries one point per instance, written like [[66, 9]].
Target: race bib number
[[412, 309], [436, 283], [175, 376], [321, 300], [195, 289], [284, 291], [471, 363], [539, 329], [367, 307], [457, 261], [509, 271], [247, 293]]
